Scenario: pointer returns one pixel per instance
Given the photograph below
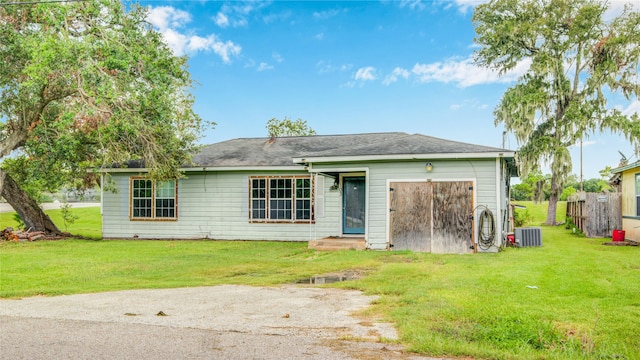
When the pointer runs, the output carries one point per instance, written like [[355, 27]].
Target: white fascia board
[[483, 155], [339, 170], [246, 168], [210, 168]]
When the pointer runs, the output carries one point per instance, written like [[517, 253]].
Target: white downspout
[[499, 189]]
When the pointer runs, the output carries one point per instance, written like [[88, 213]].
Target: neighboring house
[[627, 180], [392, 190]]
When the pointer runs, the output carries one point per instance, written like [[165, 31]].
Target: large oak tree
[[84, 85], [577, 59]]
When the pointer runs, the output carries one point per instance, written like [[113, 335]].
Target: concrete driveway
[[221, 322]]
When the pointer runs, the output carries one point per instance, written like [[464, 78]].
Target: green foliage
[[90, 84], [570, 225], [575, 58], [520, 192], [534, 186], [288, 127], [68, 217], [567, 192], [590, 185], [521, 217], [18, 221]]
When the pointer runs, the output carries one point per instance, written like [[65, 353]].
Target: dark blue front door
[[353, 205]]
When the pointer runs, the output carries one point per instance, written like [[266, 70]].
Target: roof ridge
[[459, 142], [314, 136]]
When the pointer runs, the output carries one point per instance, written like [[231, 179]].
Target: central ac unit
[[528, 237]]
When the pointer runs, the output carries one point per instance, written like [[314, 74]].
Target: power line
[[37, 2]]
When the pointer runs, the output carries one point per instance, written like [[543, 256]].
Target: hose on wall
[[486, 228]]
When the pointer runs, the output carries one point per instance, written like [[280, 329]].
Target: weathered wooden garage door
[[432, 216]]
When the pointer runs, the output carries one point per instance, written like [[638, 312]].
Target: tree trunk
[[30, 212], [553, 201]]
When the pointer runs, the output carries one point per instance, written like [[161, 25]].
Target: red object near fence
[[617, 235]]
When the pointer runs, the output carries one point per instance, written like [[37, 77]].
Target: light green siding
[[482, 172], [213, 205]]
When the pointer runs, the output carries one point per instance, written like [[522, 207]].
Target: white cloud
[[349, 84], [164, 17], [327, 14], [413, 4], [175, 40], [465, 73], [395, 74], [225, 49], [462, 5], [277, 57], [465, 5], [264, 66], [168, 20], [280, 16], [634, 107], [236, 14], [616, 7], [469, 103], [221, 20], [366, 73], [326, 67], [319, 36], [585, 143]]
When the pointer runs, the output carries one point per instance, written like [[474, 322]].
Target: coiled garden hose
[[486, 229]]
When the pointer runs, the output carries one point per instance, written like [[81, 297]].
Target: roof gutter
[[626, 167]]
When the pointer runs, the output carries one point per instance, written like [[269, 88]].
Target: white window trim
[[267, 198], [153, 201]]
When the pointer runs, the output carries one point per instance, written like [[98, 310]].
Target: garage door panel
[[452, 224], [432, 216], [411, 216]]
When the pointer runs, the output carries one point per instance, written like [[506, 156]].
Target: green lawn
[[572, 298], [536, 213], [88, 223]]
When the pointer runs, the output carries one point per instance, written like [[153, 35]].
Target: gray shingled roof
[[281, 151]]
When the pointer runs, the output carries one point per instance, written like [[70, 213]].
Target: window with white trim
[[280, 199], [153, 200]]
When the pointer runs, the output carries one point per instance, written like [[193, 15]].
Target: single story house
[[627, 180], [391, 190]]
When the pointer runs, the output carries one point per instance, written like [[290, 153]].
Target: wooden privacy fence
[[596, 214]]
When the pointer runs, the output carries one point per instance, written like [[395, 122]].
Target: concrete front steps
[[338, 243]]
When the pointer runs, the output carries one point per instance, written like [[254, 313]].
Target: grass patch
[[82, 266], [536, 212], [88, 223], [569, 299]]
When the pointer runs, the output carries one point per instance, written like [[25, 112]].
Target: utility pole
[[581, 189]]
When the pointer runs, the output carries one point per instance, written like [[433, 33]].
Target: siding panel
[[483, 171], [214, 206]]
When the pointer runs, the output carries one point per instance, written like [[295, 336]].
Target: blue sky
[[348, 67]]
